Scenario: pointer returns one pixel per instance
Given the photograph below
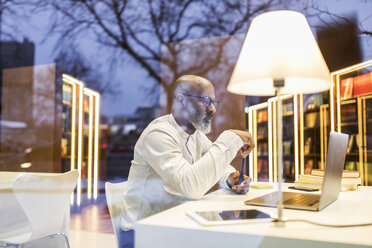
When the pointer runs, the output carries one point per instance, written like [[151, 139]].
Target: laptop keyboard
[[305, 199]]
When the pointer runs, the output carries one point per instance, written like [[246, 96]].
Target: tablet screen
[[233, 215]]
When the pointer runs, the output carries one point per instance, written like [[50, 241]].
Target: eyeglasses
[[206, 100]]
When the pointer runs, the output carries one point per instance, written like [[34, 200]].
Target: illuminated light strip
[[96, 108], [302, 157], [359, 139], [332, 107], [255, 170], [80, 133], [325, 136], [73, 119], [336, 79], [365, 180], [321, 121], [90, 145], [270, 141], [73, 127], [275, 144], [365, 151], [96, 152], [338, 103], [252, 127], [295, 125]]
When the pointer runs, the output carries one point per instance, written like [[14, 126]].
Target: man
[[174, 161]]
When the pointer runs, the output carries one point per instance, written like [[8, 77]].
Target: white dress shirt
[[170, 167]]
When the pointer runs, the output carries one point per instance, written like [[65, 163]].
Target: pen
[[241, 176]]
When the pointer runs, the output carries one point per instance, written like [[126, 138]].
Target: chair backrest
[[45, 200], [115, 204]]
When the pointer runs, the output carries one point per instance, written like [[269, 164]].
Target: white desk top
[[173, 228]]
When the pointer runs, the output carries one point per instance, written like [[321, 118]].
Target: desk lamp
[[279, 56]]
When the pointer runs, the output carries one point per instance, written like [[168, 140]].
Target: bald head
[[192, 106], [191, 84]]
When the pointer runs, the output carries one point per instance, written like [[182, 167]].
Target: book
[[345, 173], [319, 179], [261, 186], [313, 185], [312, 119], [307, 147], [346, 88], [362, 84]]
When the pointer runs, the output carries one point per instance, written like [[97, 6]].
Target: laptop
[[331, 182]]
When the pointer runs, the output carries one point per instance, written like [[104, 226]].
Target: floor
[[90, 224]]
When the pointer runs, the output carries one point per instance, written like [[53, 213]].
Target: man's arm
[[164, 153]]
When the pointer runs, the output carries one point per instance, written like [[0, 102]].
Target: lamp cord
[[326, 225]]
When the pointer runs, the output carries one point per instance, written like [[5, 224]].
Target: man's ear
[[180, 99]]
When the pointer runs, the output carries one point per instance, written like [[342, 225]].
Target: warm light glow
[[96, 145], [90, 145], [94, 133], [302, 157], [279, 45], [336, 83], [361, 164], [295, 125], [252, 128], [75, 82], [26, 165]]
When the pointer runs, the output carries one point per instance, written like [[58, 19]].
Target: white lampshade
[[279, 45]]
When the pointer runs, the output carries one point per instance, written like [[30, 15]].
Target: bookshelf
[[314, 131], [290, 137], [259, 127], [262, 126], [351, 110], [80, 135]]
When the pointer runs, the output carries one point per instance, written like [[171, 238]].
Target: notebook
[[331, 184]]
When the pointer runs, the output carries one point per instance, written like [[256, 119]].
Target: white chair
[[45, 201], [115, 204]]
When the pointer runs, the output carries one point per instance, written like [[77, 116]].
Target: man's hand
[[234, 182], [247, 141]]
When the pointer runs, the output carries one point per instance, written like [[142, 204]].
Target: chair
[[45, 201], [115, 204]]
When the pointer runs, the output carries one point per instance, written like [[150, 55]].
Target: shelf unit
[[313, 131], [80, 134], [307, 124], [262, 161], [351, 109]]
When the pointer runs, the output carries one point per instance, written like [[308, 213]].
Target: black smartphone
[[303, 189]]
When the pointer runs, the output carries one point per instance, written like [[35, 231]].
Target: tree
[[73, 62], [139, 28]]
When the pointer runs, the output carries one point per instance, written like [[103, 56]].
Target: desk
[[173, 228]]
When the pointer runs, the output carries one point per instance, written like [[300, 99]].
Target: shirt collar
[[179, 129]]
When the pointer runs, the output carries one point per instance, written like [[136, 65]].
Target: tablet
[[237, 216]]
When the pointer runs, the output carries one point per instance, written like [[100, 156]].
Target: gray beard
[[199, 124], [195, 117]]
